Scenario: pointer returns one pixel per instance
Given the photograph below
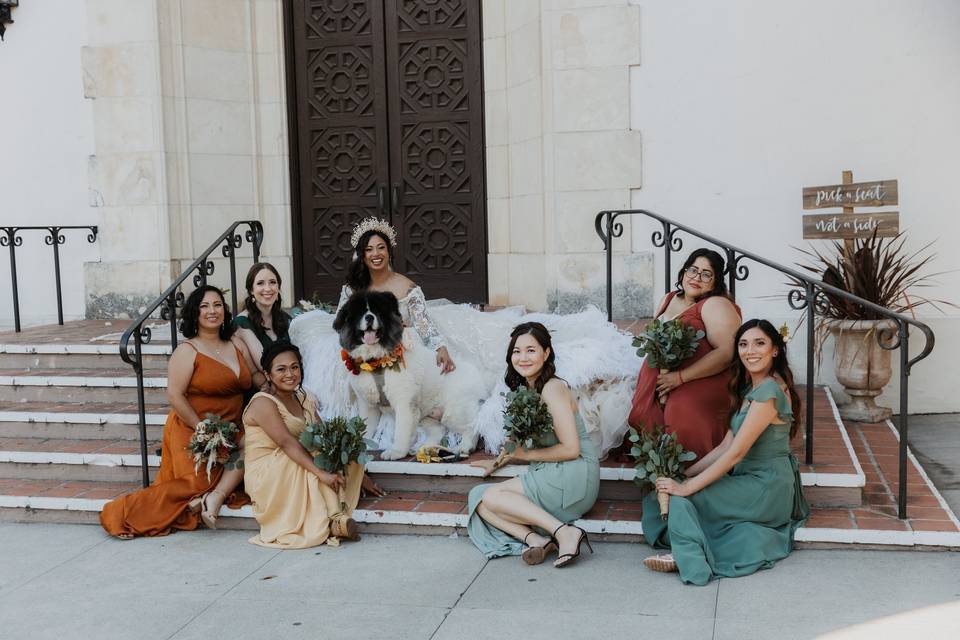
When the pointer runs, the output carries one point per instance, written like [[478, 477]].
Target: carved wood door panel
[[436, 144], [341, 133], [389, 106]]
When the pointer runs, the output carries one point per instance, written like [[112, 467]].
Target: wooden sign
[[849, 226], [859, 194]]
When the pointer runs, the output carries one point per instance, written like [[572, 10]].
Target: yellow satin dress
[[291, 505]]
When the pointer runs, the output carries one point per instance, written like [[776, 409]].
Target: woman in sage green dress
[[740, 508], [535, 509]]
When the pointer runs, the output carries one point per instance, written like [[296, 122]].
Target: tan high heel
[[536, 555], [195, 505], [344, 527], [662, 563], [210, 519]]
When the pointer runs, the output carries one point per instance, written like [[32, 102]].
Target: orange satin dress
[[162, 507], [697, 411]]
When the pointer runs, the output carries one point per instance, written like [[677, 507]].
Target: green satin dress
[[744, 521], [566, 490]]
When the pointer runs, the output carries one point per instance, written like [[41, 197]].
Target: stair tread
[[81, 407], [63, 372], [870, 517], [63, 445]]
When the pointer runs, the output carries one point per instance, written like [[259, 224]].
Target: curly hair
[[540, 333], [190, 314], [717, 263], [280, 322], [739, 384], [358, 276]]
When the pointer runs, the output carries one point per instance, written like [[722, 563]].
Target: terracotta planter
[[862, 366]]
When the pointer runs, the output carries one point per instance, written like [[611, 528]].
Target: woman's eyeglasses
[[696, 274]]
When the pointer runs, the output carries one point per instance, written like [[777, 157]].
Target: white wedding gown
[[593, 357]]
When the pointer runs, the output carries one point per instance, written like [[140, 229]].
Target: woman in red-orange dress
[[207, 374], [698, 402]]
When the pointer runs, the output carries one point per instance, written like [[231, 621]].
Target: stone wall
[[191, 134], [189, 118], [560, 149]]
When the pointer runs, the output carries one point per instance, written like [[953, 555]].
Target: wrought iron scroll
[[171, 300], [811, 296], [54, 238]]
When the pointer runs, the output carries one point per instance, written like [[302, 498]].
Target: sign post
[[849, 225]]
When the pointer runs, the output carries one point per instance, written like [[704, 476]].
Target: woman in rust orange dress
[[697, 402], [207, 374]]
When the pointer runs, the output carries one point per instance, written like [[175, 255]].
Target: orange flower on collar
[[394, 360]]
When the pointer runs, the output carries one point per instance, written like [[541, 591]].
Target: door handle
[[382, 200], [395, 198]]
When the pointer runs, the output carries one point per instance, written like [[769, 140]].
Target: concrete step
[[119, 461], [110, 421], [74, 460], [80, 386], [78, 356], [425, 513]]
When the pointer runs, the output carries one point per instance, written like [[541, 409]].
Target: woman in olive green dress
[[740, 508], [535, 509]]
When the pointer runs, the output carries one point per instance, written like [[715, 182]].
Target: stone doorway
[[386, 119]]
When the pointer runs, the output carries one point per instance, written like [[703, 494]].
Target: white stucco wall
[[45, 140], [741, 104]]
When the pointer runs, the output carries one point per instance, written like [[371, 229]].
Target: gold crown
[[373, 224]]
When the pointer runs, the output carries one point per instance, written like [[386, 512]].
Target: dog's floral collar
[[392, 361]]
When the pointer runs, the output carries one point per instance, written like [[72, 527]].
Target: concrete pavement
[[72, 581]]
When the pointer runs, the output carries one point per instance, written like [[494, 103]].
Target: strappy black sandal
[[536, 555], [567, 558]]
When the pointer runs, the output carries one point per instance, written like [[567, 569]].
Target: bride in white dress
[[595, 359]]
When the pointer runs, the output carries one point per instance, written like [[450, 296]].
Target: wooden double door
[[388, 103]]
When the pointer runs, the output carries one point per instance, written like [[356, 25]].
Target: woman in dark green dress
[[263, 320], [740, 508]]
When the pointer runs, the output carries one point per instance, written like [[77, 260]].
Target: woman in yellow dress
[[295, 502]]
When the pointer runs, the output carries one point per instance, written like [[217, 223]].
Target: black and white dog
[[405, 377]]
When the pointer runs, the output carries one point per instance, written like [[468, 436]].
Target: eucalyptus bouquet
[[667, 344], [337, 442], [526, 420], [658, 454], [214, 441]]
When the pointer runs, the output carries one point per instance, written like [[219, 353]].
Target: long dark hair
[[740, 381], [358, 276], [717, 263], [280, 322], [539, 332], [190, 315]]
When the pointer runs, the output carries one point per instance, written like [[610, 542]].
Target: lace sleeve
[[427, 329], [345, 293]]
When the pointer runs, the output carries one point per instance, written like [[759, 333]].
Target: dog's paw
[[393, 454]]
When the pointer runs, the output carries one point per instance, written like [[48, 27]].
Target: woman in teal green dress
[[530, 515], [743, 502]]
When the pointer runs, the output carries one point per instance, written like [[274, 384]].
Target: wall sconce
[[5, 19]]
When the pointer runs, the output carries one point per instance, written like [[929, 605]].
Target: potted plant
[[881, 271]]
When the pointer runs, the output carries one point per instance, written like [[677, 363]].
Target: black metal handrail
[[811, 297], [172, 299], [54, 239]]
